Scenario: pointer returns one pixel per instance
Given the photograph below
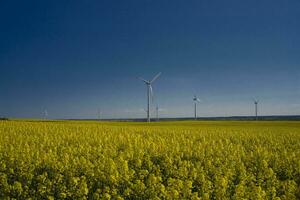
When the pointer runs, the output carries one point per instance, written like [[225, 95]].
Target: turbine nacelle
[[147, 82], [196, 99], [255, 101]]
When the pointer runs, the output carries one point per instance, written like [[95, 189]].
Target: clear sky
[[72, 57]]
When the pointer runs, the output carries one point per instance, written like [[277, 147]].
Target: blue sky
[[73, 57]]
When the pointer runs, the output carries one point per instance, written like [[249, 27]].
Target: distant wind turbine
[[157, 109], [196, 100], [149, 93], [255, 103], [45, 114], [99, 114]]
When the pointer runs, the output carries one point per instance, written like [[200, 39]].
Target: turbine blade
[[155, 77], [144, 80], [151, 92]]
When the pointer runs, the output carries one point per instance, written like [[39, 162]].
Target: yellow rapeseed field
[[166, 160]]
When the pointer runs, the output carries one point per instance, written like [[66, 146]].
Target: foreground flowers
[[171, 160]]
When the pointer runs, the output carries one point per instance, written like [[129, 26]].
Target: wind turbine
[[157, 109], [149, 93], [45, 114], [196, 100], [99, 114], [255, 103]]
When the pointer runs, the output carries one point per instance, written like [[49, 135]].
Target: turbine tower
[[45, 114], [255, 103], [157, 109], [196, 100], [99, 114], [149, 93]]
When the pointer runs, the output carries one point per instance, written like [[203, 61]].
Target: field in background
[[167, 160]]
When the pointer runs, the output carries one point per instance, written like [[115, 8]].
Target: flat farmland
[[161, 160]]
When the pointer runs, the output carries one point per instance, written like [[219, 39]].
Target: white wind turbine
[[196, 100], [149, 93], [255, 103], [99, 114], [45, 113]]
